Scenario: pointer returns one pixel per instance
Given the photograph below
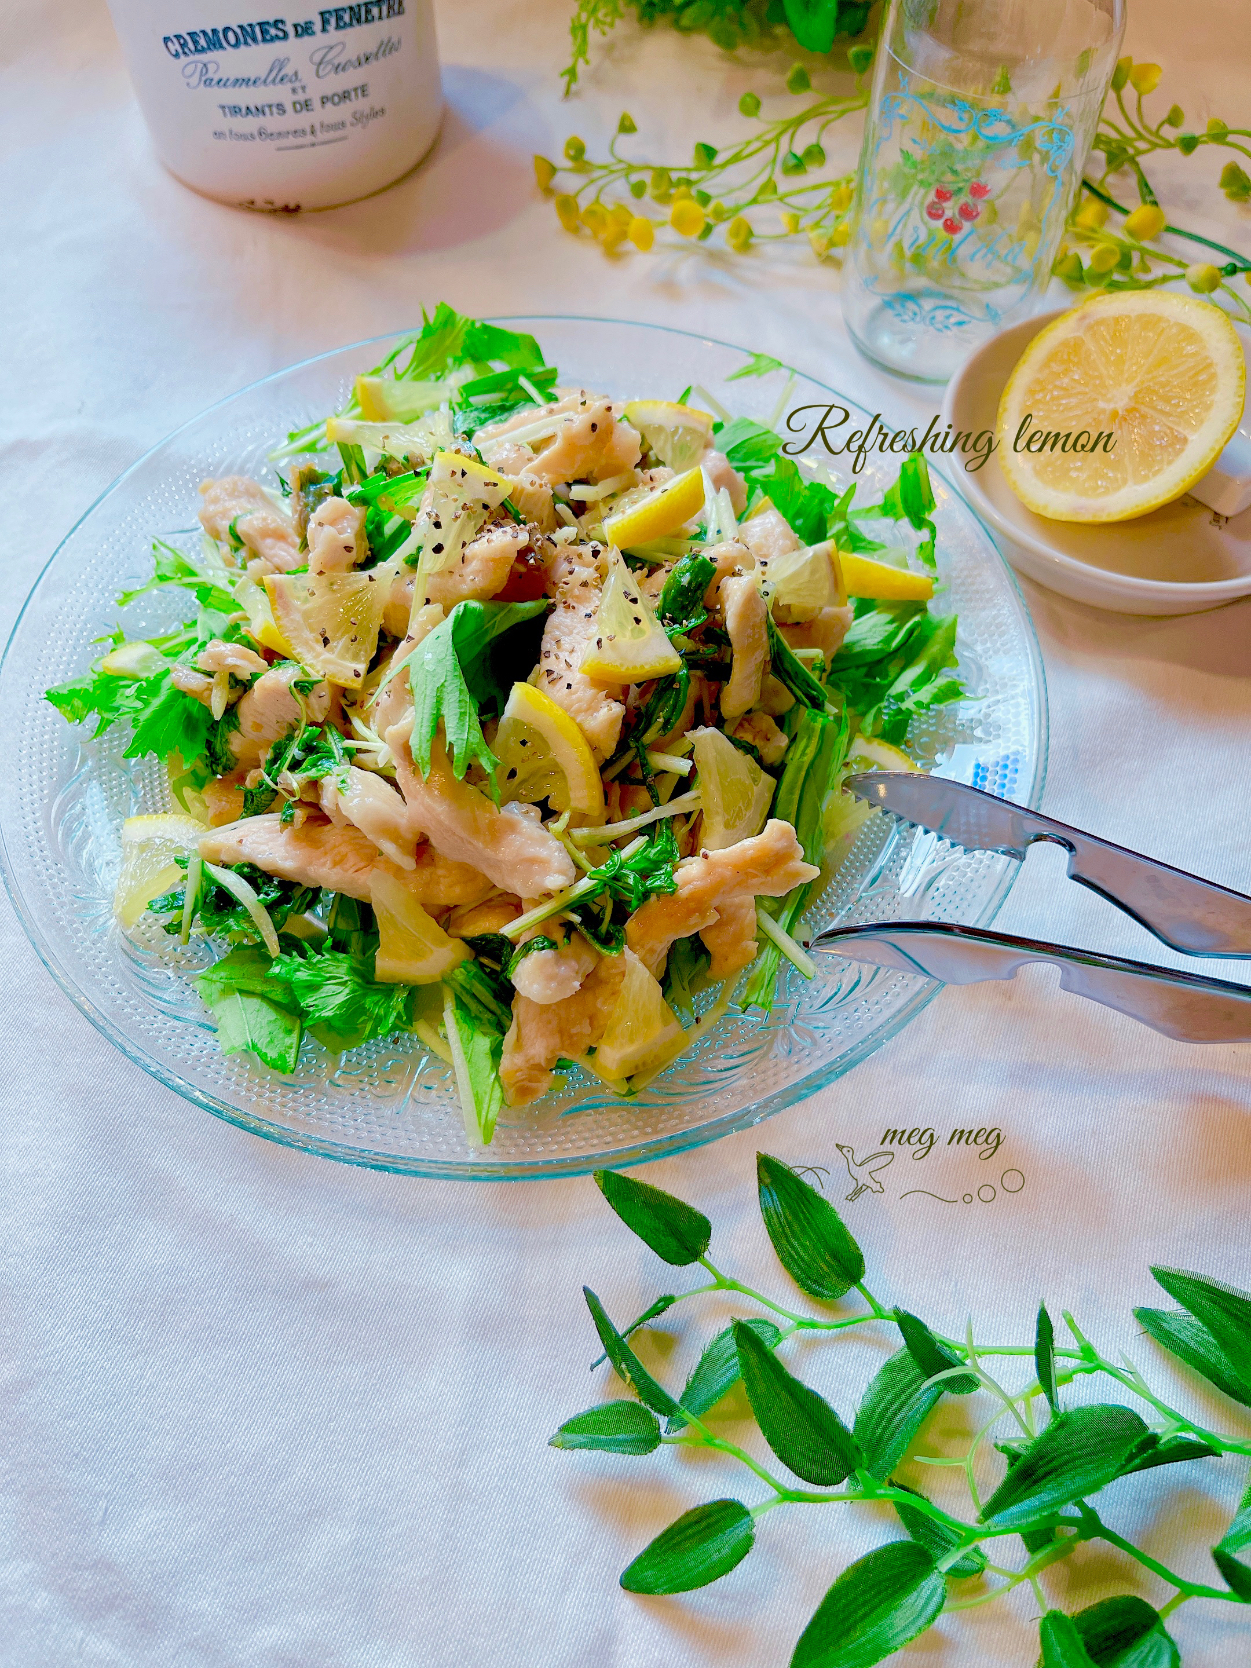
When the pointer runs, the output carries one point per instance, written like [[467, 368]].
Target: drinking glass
[[981, 119]]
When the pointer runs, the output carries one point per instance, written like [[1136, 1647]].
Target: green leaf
[[1045, 1357], [1192, 1343], [1238, 1534], [701, 1546], [1237, 1575], [799, 1425], [876, 1606], [337, 992], [717, 1371], [1151, 1452], [931, 1356], [893, 1409], [1076, 1454], [675, 1231], [1224, 1310], [253, 1011], [1061, 1643], [760, 364], [937, 1538], [628, 1366], [808, 1235], [477, 1045], [615, 1427], [1125, 1632]]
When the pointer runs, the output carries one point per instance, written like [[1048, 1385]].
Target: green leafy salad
[[515, 716]]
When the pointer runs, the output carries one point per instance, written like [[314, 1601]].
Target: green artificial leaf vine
[[1044, 1468]]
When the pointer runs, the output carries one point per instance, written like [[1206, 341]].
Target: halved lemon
[[1148, 384], [678, 435], [642, 1024], [863, 577], [544, 755], [630, 643], [659, 514], [736, 793], [329, 622], [149, 846]]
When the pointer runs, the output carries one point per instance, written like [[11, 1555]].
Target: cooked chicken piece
[[196, 684], [371, 804], [731, 558], [760, 732], [488, 917], [505, 456], [533, 501], [336, 537], [482, 568], [230, 657], [768, 535], [592, 443], [319, 853], [257, 520], [826, 632], [270, 710], [721, 887], [574, 580], [555, 975], [223, 798], [513, 853], [722, 473], [745, 621], [543, 1032]]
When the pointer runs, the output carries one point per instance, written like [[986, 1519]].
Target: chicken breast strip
[[264, 528], [543, 1032], [574, 580], [716, 897]]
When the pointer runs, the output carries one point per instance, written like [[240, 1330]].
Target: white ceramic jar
[[282, 113]]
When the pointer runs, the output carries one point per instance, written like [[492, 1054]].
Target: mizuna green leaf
[[1045, 1357], [1125, 1632], [798, 1424], [874, 1608], [1077, 1453], [674, 1230], [1192, 1343], [615, 1427], [629, 1368], [931, 1356], [893, 1409], [808, 1235], [717, 1371], [701, 1546]]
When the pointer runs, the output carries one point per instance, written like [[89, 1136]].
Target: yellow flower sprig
[[752, 189]]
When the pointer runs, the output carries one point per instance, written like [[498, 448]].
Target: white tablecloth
[[264, 1410]]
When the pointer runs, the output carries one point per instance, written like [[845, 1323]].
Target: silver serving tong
[[1186, 912]]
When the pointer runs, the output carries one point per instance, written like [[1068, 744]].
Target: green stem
[[1094, 1528], [1241, 261]]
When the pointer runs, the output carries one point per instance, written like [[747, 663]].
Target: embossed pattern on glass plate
[[391, 1104]]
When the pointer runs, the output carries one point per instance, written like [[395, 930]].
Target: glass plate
[[391, 1104]]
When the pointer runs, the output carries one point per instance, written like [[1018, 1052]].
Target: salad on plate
[[515, 716]]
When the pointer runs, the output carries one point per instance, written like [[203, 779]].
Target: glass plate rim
[[482, 1169]]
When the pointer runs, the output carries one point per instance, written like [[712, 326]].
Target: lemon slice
[[544, 755], [413, 949], [329, 622], [678, 435], [630, 643], [736, 793], [867, 753], [1159, 377], [133, 660], [641, 1026], [802, 582], [659, 514], [149, 846], [863, 577], [462, 494], [254, 600]]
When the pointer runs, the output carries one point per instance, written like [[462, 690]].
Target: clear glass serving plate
[[392, 1104]]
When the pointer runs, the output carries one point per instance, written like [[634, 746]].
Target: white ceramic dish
[[1181, 559]]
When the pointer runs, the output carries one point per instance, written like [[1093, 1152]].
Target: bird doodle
[[864, 1171]]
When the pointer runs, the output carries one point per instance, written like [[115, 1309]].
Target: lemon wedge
[[863, 577], [641, 1026], [149, 846], [413, 949], [736, 793], [544, 755], [1159, 377], [867, 753], [802, 582], [630, 643], [678, 435], [462, 494], [659, 514], [329, 622], [254, 600], [133, 660]]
